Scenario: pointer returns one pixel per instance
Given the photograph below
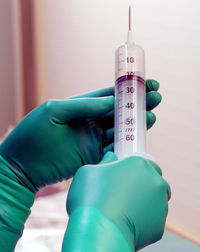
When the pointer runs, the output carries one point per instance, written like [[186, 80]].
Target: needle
[[130, 33], [129, 17]]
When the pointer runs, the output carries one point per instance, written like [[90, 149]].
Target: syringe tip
[[130, 33]]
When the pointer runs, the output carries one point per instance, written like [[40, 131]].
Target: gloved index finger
[[97, 93], [63, 111]]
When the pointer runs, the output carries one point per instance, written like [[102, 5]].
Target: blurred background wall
[[73, 52], [7, 113]]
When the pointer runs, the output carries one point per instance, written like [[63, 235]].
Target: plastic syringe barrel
[[130, 101]]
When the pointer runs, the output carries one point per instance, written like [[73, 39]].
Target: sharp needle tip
[[130, 17]]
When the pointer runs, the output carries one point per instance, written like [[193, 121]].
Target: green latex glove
[[49, 145], [15, 203], [116, 206], [58, 137]]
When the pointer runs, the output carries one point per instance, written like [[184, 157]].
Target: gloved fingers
[[97, 93], [108, 119], [152, 85], [153, 98], [151, 119], [109, 122], [108, 157], [107, 148], [109, 136], [63, 111]]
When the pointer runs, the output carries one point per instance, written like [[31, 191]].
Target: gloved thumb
[[64, 111], [108, 157]]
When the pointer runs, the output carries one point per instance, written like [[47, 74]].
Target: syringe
[[130, 99]]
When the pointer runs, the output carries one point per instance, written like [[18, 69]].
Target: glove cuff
[[89, 230], [15, 203]]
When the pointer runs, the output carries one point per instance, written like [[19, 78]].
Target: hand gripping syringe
[[130, 99]]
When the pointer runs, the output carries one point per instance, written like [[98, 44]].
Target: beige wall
[[81, 37], [6, 67]]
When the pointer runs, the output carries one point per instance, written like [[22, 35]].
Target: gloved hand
[[116, 206], [49, 145], [60, 136]]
